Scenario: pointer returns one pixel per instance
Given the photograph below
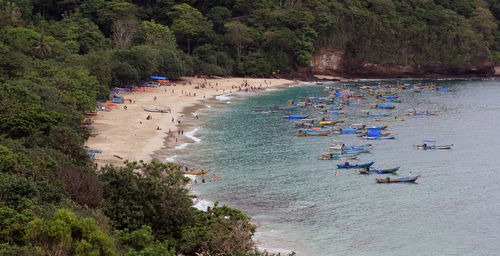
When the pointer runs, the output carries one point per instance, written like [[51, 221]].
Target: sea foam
[[171, 158], [191, 135], [223, 97]]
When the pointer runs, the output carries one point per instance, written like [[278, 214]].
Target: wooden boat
[[329, 156], [379, 137], [348, 152], [389, 119], [384, 106], [196, 172], [313, 133], [435, 147], [354, 165], [336, 148], [295, 117], [404, 179], [347, 131], [379, 171], [432, 145], [373, 115], [91, 113]]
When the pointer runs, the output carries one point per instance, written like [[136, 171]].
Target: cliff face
[[329, 61]]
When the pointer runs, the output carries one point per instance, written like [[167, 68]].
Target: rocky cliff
[[332, 62]]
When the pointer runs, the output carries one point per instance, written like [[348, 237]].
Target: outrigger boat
[[379, 171], [389, 119], [433, 146], [378, 137], [295, 117], [373, 115], [347, 165], [404, 179], [330, 156], [196, 172]]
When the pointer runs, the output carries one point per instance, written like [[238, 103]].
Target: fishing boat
[[378, 137], [347, 131], [320, 133], [330, 156], [379, 171], [379, 127], [373, 115], [404, 179], [423, 113], [392, 101], [389, 119], [431, 144], [196, 172], [384, 106], [347, 165], [332, 122], [349, 152], [295, 117], [336, 148]]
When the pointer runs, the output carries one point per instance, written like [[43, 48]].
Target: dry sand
[[126, 134]]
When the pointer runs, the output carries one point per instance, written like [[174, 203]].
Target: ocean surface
[[300, 205]]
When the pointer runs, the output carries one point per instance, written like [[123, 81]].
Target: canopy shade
[[159, 77]]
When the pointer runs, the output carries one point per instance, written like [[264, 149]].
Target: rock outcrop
[[332, 62]]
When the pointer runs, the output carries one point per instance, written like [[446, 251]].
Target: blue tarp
[[373, 132], [117, 100], [159, 77]]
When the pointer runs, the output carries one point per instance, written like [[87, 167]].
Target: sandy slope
[[126, 134]]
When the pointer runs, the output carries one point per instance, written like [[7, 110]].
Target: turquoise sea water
[[299, 204]]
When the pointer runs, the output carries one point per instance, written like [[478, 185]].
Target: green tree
[[154, 198], [155, 34], [187, 23], [66, 234], [238, 35], [219, 230]]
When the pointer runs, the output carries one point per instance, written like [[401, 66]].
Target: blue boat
[[379, 171], [385, 106], [355, 165], [347, 131], [379, 137], [295, 117]]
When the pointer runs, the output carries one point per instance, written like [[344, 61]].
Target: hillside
[[58, 57]]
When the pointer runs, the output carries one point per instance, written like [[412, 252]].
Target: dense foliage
[[58, 57]]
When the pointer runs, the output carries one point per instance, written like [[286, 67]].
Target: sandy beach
[[125, 133]]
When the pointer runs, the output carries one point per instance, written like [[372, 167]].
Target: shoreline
[[126, 133]]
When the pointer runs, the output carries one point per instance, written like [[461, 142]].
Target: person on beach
[[182, 132]]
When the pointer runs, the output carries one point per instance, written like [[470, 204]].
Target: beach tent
[[159, 77]]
